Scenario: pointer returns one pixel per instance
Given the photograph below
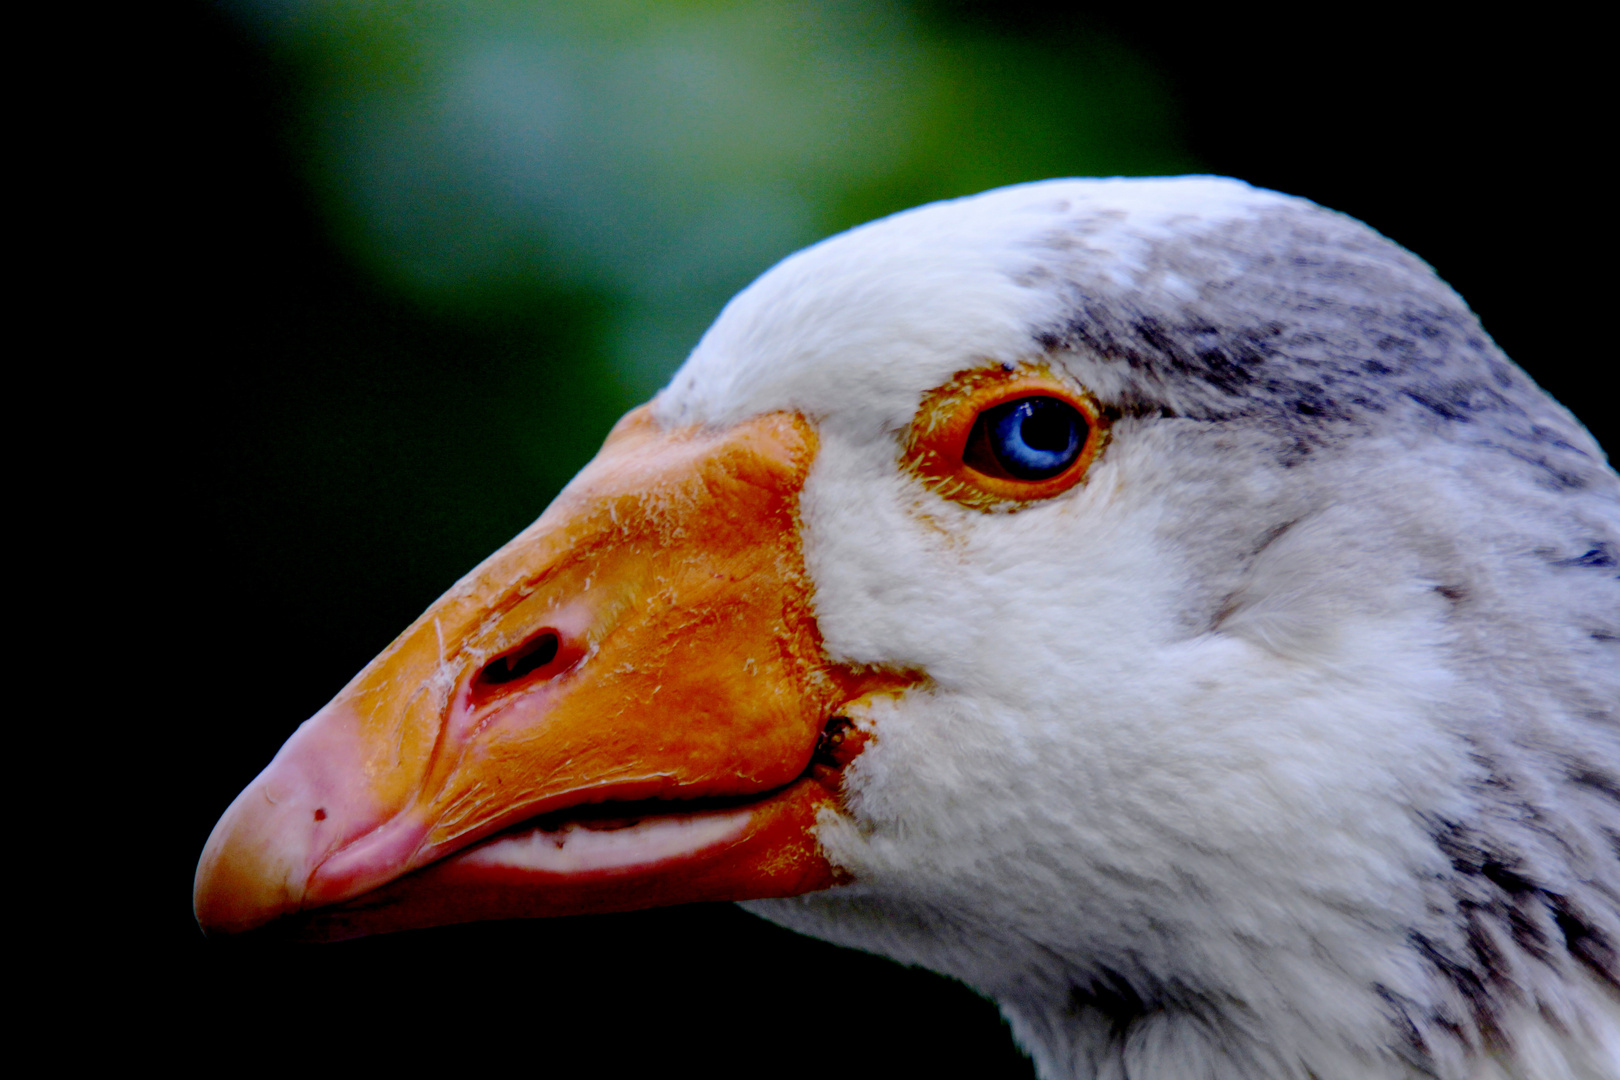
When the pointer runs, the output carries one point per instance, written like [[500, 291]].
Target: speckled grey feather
[[1318, 343]]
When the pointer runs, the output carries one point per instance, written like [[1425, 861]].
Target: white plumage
[[1284, 746], [1271, 734]]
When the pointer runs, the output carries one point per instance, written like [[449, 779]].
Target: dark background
[[288, 457]]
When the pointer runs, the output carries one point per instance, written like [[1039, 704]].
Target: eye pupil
[[1046, 429], [1032, 438]]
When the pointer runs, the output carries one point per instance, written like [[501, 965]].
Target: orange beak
[[626, 706]]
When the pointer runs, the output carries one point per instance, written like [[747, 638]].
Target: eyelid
[[936, 444]]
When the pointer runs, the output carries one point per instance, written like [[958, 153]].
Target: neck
[[1095, 1026], [1226, 1004]]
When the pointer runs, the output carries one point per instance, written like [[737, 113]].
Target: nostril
[[532, 656]]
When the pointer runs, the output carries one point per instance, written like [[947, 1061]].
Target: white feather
[[1208, 738]]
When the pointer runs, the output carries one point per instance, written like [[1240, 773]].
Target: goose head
[[1155, 603]]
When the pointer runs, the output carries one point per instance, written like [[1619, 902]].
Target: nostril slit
[[534, 655]]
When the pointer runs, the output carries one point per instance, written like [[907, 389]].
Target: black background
[[282, 465]]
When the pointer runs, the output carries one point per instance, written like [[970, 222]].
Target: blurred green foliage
[[431, 251], [656, 156]]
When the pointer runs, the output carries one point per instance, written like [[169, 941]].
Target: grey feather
[[1315, 342]]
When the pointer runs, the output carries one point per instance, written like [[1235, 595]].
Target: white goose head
[[1156, 603]]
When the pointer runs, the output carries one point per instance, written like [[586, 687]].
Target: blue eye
[[1032, 438]]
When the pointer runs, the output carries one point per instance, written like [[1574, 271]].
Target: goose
[[1155, 603]]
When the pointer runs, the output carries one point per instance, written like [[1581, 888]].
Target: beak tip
[[260, 859], [251, 870]]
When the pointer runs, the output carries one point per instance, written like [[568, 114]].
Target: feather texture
[[1287, 745]]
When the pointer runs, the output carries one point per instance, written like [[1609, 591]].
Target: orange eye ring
[[937, 449]]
